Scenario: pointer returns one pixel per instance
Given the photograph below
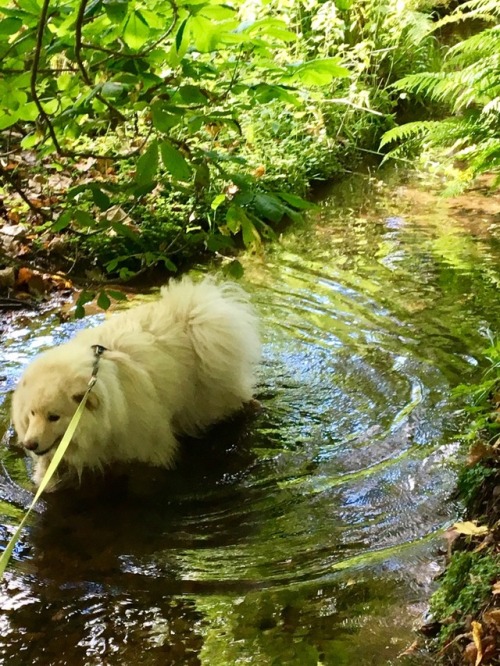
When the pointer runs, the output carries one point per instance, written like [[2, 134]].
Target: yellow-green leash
[[58, 455]]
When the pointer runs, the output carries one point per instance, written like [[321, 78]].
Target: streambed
[[309, 533]]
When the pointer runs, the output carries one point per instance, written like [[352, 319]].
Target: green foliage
[[154, 110], [467, 92], [471, 482], [483, 398], [464, 587]]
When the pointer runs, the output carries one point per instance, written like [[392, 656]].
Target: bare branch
[[34, 72], [11, 181]]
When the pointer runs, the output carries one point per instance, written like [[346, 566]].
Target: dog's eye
[[32, 413], [53, 417]]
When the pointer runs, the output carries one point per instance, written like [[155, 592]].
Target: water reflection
[[305, 534]]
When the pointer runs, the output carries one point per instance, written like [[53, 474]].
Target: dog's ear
[[92, 400]]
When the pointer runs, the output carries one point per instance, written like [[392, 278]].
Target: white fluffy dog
[[171, 367]]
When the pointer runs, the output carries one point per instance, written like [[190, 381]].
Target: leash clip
[[98, 352]]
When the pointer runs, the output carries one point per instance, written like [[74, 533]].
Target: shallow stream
[[307, 534]]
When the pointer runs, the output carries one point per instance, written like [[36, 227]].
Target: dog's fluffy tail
[[223, 330]]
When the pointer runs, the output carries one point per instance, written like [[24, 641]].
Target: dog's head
[[46, 398]]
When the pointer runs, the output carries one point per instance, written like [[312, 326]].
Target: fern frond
[[422, 83], [486, 157], [485, 10], [493, 106], [418, 28], [408, 131], [483, 44], [487, 7]]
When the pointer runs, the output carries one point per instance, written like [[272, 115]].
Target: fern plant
[[468, 92]]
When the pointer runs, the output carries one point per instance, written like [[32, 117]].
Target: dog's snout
[[30, 444]]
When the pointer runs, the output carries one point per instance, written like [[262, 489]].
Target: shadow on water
[[307, 533]]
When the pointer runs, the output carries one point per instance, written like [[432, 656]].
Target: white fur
[[173, 367]]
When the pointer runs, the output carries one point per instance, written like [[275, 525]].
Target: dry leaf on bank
[[470, 528], [492, 617], [477, 632], [477, 452]]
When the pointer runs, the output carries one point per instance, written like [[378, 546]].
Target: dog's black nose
[[31, 445]]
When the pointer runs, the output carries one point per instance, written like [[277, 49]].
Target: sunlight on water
[[309, 533]]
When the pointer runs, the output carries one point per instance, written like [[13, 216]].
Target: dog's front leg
[[41, 466]]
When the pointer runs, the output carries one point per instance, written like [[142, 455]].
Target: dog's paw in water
[[168, 368]]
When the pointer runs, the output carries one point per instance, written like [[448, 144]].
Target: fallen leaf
[[470, 528], [477, 452], [24, 275], [492, 617], [410, 650], [496, 588], [477, 632], [470, 654]]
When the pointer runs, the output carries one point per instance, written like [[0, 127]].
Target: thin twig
[[34, 72], [11, 181]]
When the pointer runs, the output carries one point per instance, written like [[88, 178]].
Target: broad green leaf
[[113, 89], [116, 295], [125, 230], [84, 298], [64, 80], [265, 92], [269, 207], [156, 20], [147, 165], [116, 11], [103, 300], [101, 199], [51, 106], [204, 33], [234, 269], [180, 45], [218, 12], [83, 219], [162, 120], [29, 6], [295, 201], [234, 216], [28, 112], [238, 220], [218, 242], [320, 72], [31, 140], [15, 99], [202, 176], [136, 32], [9, 26], [180, 34], [250, 234], [63, 221], [7, 120], [192, 95], [220, 198], [343, 4], [270, 27], [168, 263], [174, 161]]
